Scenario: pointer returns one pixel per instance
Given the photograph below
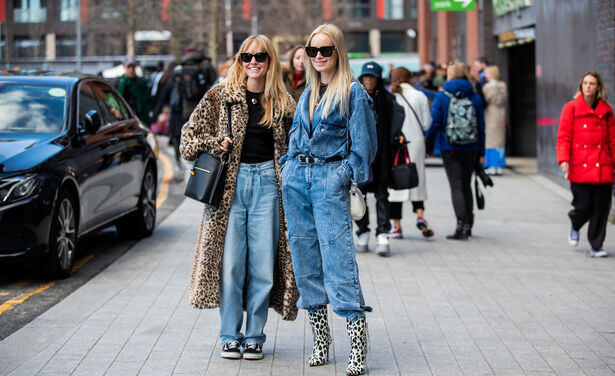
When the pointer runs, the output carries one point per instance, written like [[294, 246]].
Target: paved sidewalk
[[515, 300]]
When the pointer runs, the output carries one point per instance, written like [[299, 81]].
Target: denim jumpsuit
[[316, 200]]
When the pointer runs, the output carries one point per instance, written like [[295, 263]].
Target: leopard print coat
[[203, 132]]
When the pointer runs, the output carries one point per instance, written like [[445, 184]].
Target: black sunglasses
[[325, 51], [260, 57]]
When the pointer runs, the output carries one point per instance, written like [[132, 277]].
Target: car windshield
[[31, 108]]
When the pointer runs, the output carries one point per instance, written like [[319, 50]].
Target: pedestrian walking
[[416, 121], [496, 96], [332, 142], [242, 250], [458, 116], [135, 90], [294, 77], [389, 117], [585, 152]]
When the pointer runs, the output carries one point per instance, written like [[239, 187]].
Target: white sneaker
[[363, 242], [382, 245], [597, 253]]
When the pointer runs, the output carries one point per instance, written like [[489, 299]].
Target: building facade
[[45, 30]]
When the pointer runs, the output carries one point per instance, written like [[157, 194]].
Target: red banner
[[2, 10], [246, 10], [380, 8], [326, 9], [164, 13], [84, 10]]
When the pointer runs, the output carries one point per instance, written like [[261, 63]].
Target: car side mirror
[[92, 121]]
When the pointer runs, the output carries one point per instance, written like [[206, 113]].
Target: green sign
[[452, 5], [501, 7]]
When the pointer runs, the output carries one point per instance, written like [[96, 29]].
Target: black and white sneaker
[[253, 351], [231, 350]]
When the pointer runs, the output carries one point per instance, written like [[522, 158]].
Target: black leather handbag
[[208, 175], [404, 174]]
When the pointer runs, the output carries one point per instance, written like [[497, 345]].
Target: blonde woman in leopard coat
[[242, 250]]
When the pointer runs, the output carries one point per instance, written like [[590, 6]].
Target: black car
[[73, 159]]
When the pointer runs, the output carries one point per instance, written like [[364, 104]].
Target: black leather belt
[[305, 159]]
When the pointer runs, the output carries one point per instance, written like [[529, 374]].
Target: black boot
[[471, 224], [322, 337], [357, 331], [461, 231]]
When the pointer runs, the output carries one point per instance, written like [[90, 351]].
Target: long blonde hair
[[601, 93], [274, 86], [338, 90]]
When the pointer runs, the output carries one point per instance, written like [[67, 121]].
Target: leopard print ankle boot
[[322, 337], [357, 331]]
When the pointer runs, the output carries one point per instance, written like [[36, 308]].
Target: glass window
[[65, 47], [315, 8], [68, 10], [106, 11], [32, 108], [356, 8], [392, 42], [414, 10], [394, 9], [112, 108], [32, 11], [87, 102], [25, 47], [357, 41]]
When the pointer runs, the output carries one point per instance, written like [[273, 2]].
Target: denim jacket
[[329, 136]]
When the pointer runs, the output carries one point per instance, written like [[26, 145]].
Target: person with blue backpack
[[458, 118]]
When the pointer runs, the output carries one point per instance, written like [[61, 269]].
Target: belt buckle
[[307, 159]]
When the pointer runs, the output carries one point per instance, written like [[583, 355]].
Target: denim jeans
[[250, 248], [316, 203]]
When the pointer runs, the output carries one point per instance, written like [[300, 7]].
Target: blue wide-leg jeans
[[250, 249], [316, 204]]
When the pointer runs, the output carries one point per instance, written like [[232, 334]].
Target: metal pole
[[229, 29], [78, 46]]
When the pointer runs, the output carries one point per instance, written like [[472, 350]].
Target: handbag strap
[[229, 131], [414, 112], [406, 156]]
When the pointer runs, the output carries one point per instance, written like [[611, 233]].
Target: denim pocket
[[329, 139], [343, 171], [269, 175]]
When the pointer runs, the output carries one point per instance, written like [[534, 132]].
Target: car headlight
[[15, 189]]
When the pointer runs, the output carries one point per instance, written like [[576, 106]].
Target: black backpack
[[192, 83]]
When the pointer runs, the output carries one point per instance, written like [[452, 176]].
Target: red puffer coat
[[586, 140]]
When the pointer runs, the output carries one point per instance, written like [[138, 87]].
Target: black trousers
[[395, 208], [592, 203], [382, 211], [459, 166]]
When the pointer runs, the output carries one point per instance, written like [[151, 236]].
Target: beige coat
[[203, 132], [496, 96]]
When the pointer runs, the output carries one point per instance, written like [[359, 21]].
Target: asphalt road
[[24, 295]]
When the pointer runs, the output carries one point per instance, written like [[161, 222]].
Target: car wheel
[[141, 223], [62, 238]]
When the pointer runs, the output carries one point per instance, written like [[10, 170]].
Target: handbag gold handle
[[200, 169]]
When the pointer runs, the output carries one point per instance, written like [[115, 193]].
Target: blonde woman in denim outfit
[[332, 142]]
